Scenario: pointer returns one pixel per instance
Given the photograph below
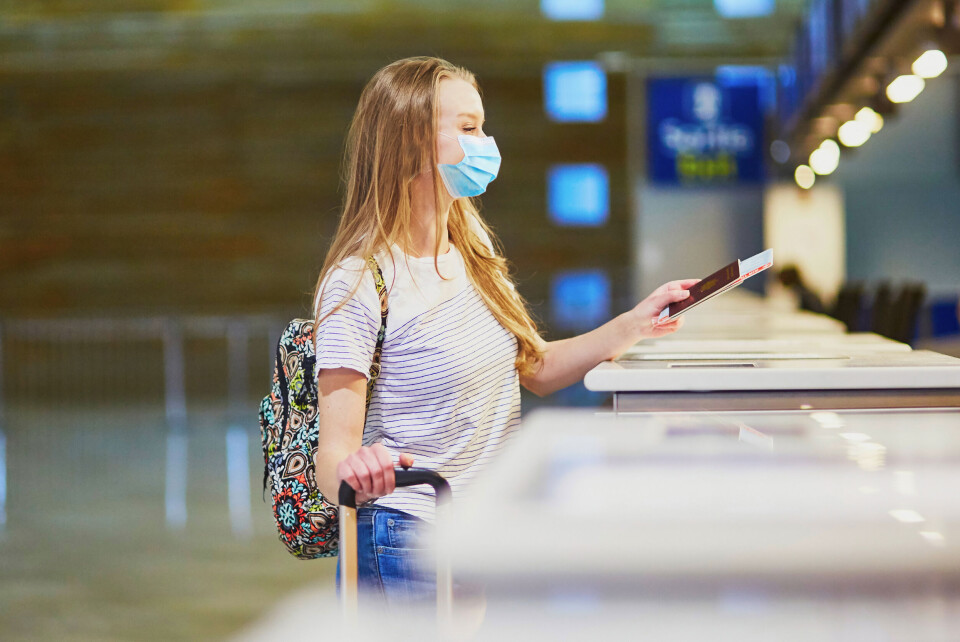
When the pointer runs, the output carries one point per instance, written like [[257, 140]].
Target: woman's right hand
[[369, 471]]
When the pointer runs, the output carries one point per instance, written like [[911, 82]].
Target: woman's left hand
[[649, 309]]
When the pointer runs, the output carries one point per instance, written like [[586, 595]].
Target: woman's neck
[[427, 224]]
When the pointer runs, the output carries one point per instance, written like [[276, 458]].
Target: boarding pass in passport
[[726, 278]]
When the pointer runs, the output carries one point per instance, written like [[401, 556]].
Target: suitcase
[[347, 502]]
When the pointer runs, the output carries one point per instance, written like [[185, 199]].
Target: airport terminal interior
[[782, 467]]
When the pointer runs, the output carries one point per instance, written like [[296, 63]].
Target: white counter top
[[582, 497], [707, 321], [791, 527], [864, 371], [827, 343]]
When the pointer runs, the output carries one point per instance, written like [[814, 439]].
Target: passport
[[726, 278]]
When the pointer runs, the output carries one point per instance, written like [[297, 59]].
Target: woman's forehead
[[458, 97]]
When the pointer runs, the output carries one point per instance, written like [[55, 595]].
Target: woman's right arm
[[340, 456]]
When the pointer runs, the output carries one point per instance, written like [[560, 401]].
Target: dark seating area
[[849, 305], [887, 309]]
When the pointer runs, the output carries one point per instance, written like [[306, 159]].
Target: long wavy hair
[[391, 141]]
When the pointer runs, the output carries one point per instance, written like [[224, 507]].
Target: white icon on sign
[[710, 134], [706, 102]]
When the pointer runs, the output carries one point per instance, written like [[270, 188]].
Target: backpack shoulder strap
[[378, 350]]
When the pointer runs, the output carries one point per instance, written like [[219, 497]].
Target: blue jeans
[[390, 557]]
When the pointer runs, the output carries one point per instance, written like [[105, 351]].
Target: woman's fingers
[[362, 473], [377, 482], [651, 307], [659, 300], [369, 471], [684, 284], [386, 467]]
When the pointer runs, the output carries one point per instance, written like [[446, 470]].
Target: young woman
[[459, 340]]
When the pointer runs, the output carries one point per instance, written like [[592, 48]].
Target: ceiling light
[[853, 134], [825, 159], [804, 176], [870, 119], [905, 88], [830, 146], [930, 64]]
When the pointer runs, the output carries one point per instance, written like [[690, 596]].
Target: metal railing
[[161, 366]]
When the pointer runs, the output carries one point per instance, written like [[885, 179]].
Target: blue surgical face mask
[[480, 164]]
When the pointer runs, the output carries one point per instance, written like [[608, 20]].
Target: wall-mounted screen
[[575, 91]]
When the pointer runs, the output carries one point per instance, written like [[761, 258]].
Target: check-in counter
[[741, 323], [785, 381], [830, 344], [788, 526], [742, 353]]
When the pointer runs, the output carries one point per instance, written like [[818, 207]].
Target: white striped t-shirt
[[448, 391]]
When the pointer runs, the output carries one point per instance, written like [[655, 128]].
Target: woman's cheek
[[449, 152]]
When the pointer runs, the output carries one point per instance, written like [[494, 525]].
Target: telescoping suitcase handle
[[348, 541], [404, 477]]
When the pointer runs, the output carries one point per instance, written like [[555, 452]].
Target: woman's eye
[[469, 129]]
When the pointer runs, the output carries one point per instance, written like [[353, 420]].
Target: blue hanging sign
[[702, 131]]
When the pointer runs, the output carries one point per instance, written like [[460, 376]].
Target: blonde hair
[[397, 115]]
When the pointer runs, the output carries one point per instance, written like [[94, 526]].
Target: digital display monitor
[[580, 299], [575, 91], [578, 194]]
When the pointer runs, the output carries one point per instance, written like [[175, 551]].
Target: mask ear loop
[[451, 138], [442, 177]]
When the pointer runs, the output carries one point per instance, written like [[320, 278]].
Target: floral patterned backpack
[[306, 520]]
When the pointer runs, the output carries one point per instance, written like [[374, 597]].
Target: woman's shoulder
[[351, 278], [349, 268]]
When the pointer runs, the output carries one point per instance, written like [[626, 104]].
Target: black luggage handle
[[404, 477], [348, 545]]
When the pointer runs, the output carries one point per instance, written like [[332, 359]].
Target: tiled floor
[[87, 551]]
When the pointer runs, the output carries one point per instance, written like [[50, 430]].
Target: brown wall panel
[[200, 193]]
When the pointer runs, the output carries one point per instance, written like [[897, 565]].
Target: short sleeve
[[347, 337]]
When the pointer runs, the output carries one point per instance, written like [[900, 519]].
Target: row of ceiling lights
[[826, 158]]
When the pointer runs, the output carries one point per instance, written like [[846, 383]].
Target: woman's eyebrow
[[470, 115]]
